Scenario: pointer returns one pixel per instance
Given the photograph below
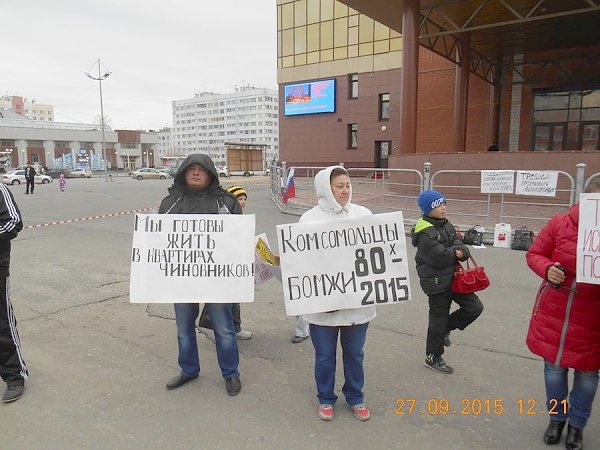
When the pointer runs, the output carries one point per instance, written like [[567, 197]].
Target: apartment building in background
[[165, 142], [205, 122], [27, 108]]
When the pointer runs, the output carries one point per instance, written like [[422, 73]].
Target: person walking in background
[[196, 190], [12, 365], [205, 321], [565, 326], [334, 194], [29, 178], [438, 250], [62, 182]]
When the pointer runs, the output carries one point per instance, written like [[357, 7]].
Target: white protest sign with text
[[537, 182], [342, 264], [192, 258], [497, 181], [588, 239]]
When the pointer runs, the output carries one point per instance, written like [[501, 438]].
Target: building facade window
[[352, 135], [35, 144], [566, 120], [384, 106], [353, 85]]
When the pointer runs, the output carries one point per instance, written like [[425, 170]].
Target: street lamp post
[[99, 79], [145, 157]]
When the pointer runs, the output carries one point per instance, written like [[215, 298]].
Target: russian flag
[[288, 190]]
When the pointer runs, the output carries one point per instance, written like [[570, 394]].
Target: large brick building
[[507, 89]]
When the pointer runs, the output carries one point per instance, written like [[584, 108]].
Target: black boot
[[553, 432], [574, 438]]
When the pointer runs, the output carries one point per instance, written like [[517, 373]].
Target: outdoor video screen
[[312, 97]]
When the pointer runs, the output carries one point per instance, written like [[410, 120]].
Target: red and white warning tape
[[84, 219]]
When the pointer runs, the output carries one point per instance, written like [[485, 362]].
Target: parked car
[[223, 172], [81, 173], [147, 173], [18, 177], [55, 173], [173, 171]]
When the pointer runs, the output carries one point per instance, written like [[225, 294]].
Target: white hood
[[325, 196]]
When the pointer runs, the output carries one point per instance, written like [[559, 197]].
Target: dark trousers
[[12, 365], [29, 185], [205, 321], [442, 322]]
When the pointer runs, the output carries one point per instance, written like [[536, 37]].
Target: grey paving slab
[[99, 364]]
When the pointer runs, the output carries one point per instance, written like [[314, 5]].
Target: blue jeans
[[324, 340], [581, 397], [227, 349]]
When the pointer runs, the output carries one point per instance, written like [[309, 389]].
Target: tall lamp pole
[[99, 78]]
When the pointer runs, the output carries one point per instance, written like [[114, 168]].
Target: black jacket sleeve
[[433, 252], [10, 216]]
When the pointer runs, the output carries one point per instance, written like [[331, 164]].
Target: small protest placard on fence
[[588, 239], [192, 258], [341, 264], [537, 182], [497, 181]]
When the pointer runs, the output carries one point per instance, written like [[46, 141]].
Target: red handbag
[[469, 280]]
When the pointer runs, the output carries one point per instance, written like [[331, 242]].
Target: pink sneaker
[[361, 412], [326, 412]]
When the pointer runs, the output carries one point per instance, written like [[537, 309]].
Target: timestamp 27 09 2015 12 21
[[479, 406]]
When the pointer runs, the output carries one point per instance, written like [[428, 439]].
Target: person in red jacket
[[565, 326]]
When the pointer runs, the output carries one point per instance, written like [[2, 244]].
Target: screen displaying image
[[312, 97]]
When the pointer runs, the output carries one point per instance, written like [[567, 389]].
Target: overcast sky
[[157, 51]]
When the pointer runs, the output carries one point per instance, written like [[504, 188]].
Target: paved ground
[[99, 364]]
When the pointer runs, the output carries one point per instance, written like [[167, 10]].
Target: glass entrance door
[[382, 152]]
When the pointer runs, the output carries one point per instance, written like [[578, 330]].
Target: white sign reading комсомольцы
[[192, 258], [342, 264]]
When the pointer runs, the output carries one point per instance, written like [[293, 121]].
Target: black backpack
[[522, 239]]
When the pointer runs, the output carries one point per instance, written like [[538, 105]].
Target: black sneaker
[[438, 364], [447, 342], [13, 392]]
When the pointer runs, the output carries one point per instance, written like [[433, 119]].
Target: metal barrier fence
[[463, 189], [384, 190]]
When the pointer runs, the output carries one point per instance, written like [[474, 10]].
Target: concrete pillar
[[410, 72], [21, 145], [49, 154], [461, 92]]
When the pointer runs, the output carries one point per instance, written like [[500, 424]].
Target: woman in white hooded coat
[[334, 193]]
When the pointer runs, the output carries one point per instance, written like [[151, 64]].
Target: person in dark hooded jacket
[[196, 190], [438, 250]]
